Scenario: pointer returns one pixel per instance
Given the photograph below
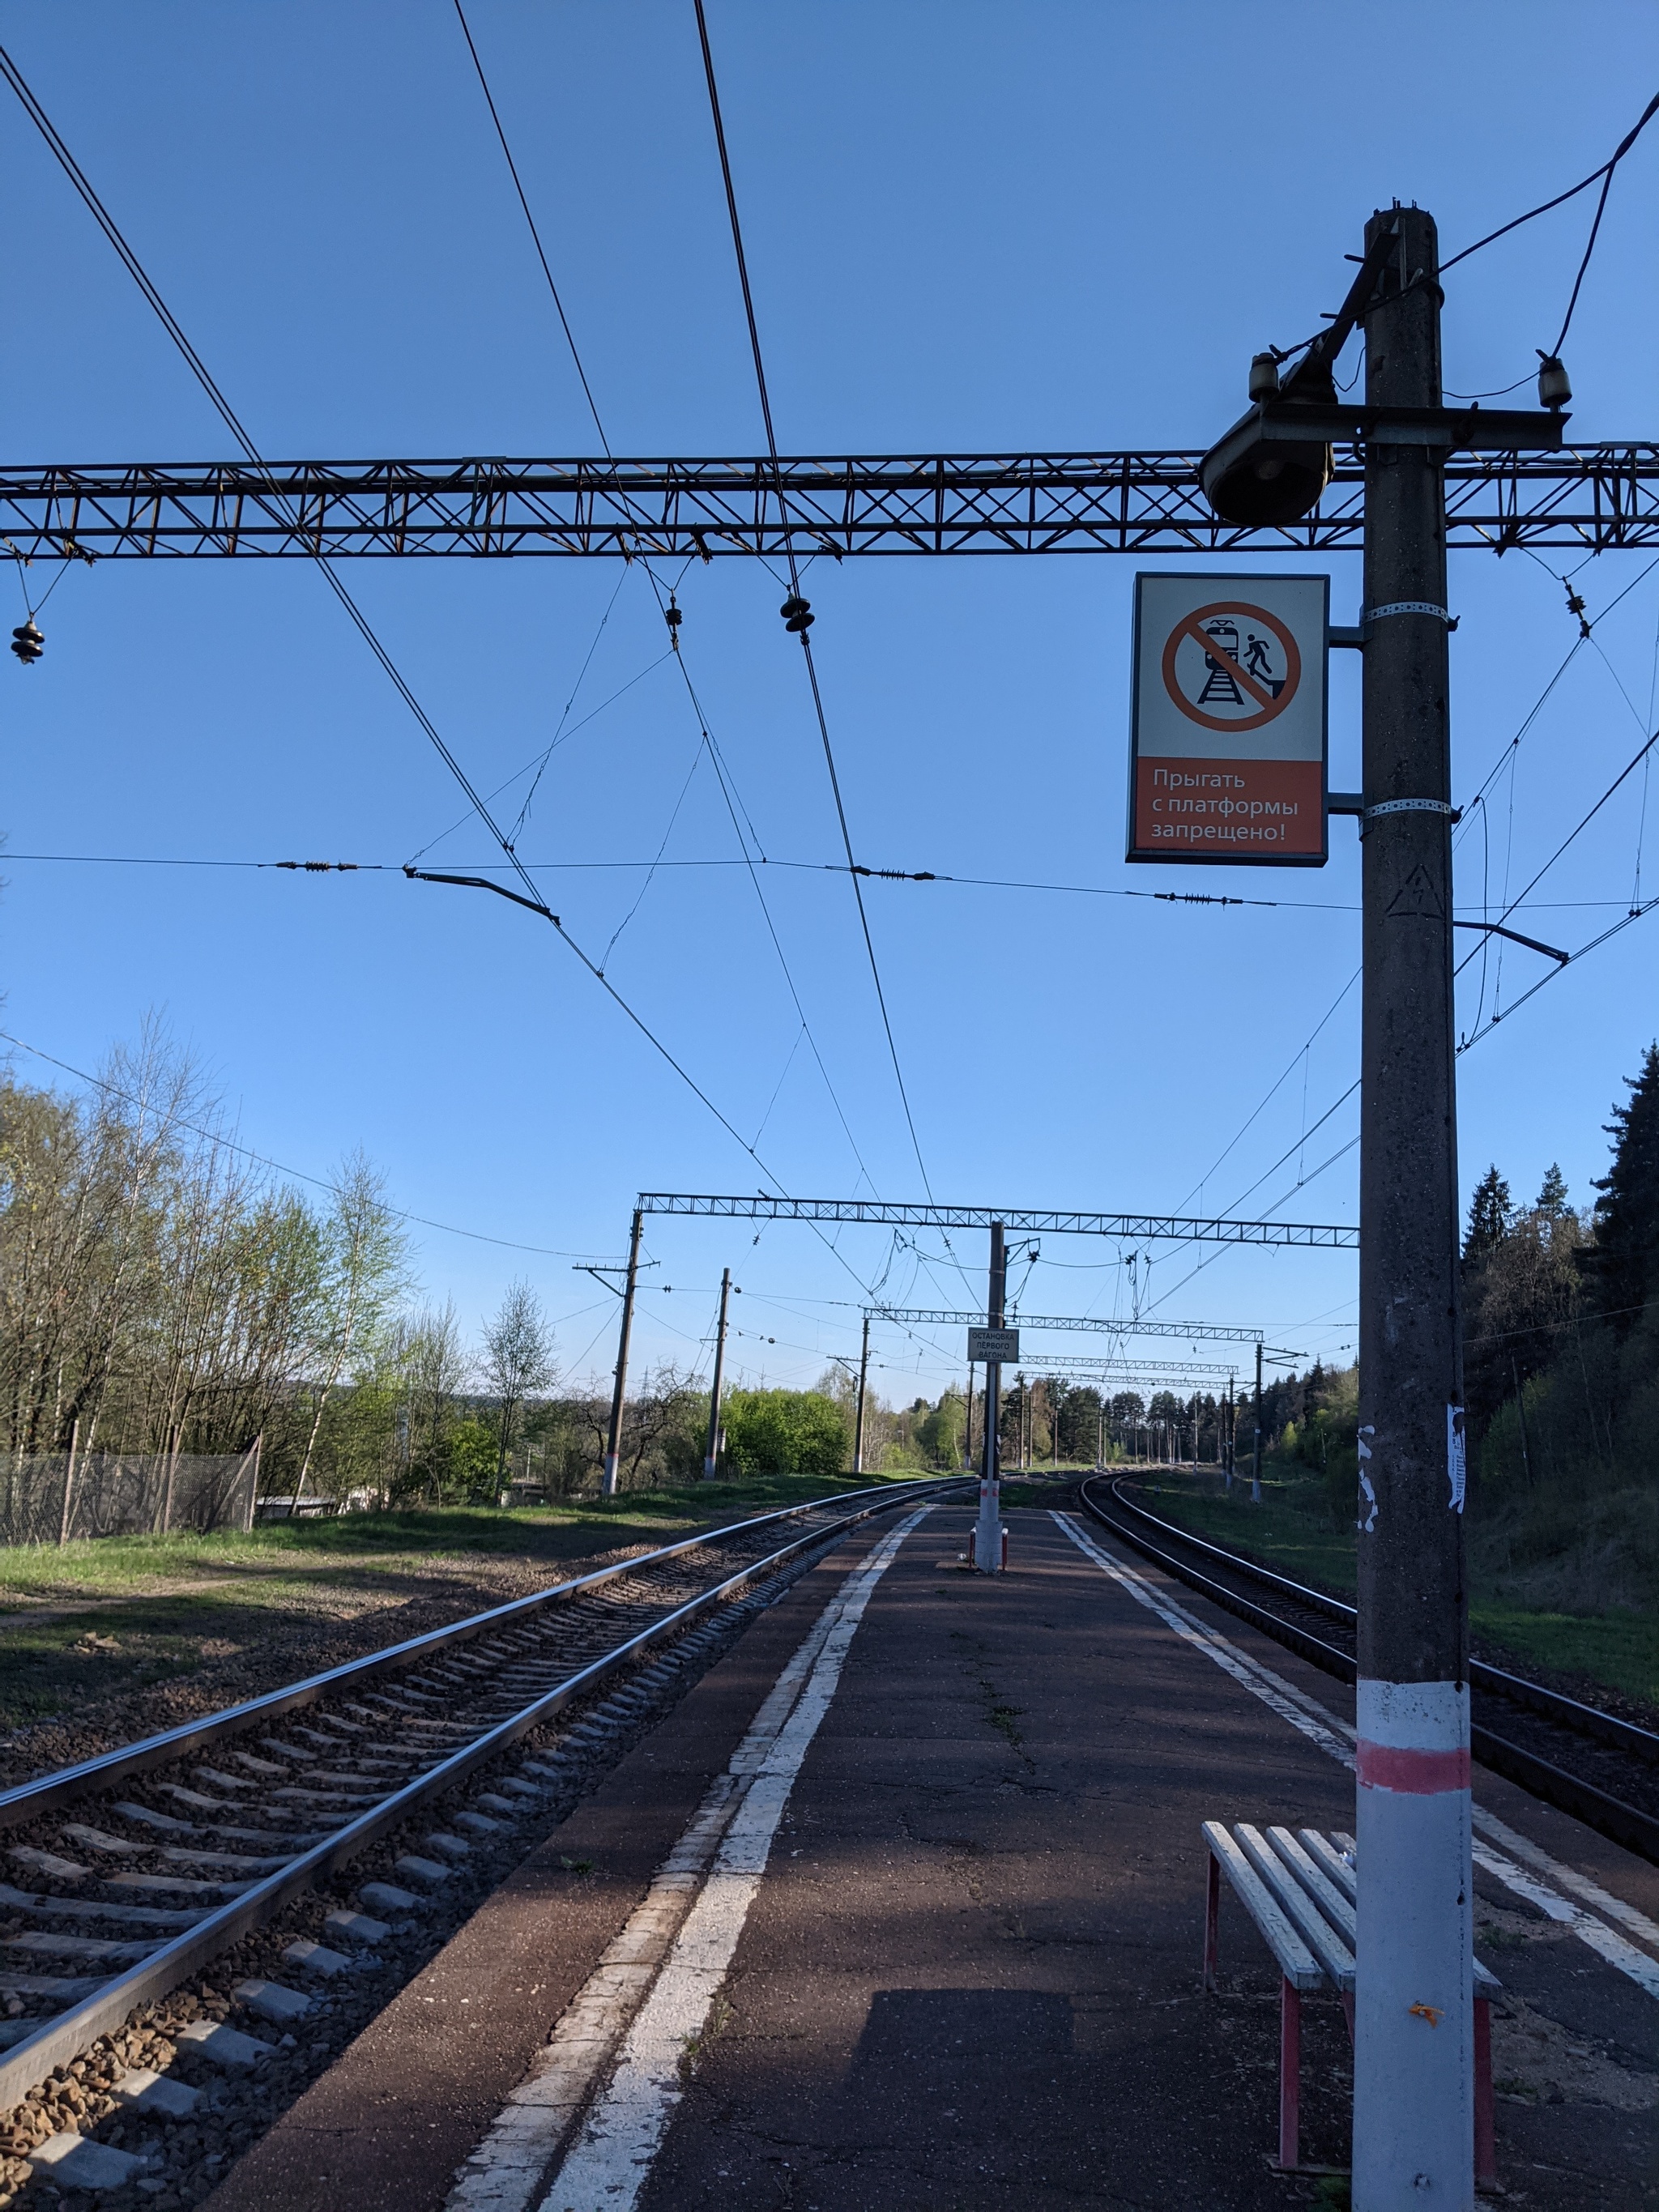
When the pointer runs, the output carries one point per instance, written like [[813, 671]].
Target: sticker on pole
[[1228, 746]]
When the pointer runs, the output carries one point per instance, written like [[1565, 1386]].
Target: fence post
[[253, 1482], [174, 1438], [68, 1485]]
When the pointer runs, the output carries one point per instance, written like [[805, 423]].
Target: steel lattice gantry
[[1018, 1220], [1587, 498], [1202, 1331]]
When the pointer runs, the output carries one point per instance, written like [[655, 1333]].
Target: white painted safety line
[[1584, 1925], [1568, 1878], [731, 1832], [1335, 1738], [1318, 1725]]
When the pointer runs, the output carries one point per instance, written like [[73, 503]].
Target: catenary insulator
[[1554, 387], [1264, 377], [673, 616], [797, 614], [26, 642]]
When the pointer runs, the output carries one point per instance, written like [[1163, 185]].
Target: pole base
[[973, 1548]]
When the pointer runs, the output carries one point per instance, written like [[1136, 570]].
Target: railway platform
[[945, 1952]]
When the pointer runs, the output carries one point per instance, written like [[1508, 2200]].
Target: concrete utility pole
[[1414, 2026], [613, 1446], [710, 1457], [988, 1537], [1227, 1443], [858, 1425], [967, 1423], [1255, 1458]]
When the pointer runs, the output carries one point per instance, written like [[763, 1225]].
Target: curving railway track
[[1601, 1769], [130, 1874]]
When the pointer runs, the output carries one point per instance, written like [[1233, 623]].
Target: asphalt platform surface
[[970, 1977]]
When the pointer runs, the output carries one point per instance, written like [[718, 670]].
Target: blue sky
[[970, 229]]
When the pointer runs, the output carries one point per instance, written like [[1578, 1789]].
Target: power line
[[1595, 944], [1629, 768], [264, 1160], [736, 861], [795, 578], [513, 171], [359, 621], [721, 772], [1572, 192]]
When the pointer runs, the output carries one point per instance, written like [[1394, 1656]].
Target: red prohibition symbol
[[1272, 700]]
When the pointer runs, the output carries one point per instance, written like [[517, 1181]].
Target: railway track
[[1601, 1769], [129, 1874]]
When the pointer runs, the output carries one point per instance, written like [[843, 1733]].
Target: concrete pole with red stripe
[[1413, 2137]]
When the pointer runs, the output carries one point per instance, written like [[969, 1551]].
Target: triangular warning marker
[[1417, 898]]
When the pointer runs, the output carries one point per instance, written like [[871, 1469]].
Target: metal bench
[[1299, 1890]]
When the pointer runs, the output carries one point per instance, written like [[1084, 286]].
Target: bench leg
[[1485, 2147], [1212, 1923], [1290, 2076]]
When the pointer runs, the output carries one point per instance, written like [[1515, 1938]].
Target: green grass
[[113, 1566], [1619, 1648], [1293, 1531], [90, 1619], [54, 1665]]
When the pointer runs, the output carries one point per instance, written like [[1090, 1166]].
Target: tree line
[[163, 1291], [1560, 1378]]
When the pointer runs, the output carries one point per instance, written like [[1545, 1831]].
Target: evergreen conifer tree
[[1623, 1263], [1552, 1196], [1491, 1211]]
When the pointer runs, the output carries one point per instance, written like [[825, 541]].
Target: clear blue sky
[[970, 228]]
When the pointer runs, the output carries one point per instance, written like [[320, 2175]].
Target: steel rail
[[1594, 497], [67, 2034], [26, 1801], [1549, 1705], [1626, 1825]]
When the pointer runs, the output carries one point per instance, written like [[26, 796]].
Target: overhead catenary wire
[[513, 170], [794, 575], [722, 773], [359, 621], [732, 860], [1572, 191], [264, 1160]]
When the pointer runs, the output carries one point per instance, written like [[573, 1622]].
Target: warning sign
[[1228, 741]]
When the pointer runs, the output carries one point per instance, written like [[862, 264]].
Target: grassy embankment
[[88, 1620], [1294, 1531]]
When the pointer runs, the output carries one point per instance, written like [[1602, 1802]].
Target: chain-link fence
[[49, 1498]]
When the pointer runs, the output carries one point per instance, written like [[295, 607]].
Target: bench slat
[[1327, 1946], [1323, 1850], [1333, 1905], [1296, 1962], [1326, 1852]]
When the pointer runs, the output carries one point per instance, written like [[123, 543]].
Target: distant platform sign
[[993, 1346], [1228, 745]]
